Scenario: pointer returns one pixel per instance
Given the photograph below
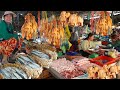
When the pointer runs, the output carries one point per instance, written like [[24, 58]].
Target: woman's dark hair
[[114, 36], [89, 35], [114, 32]]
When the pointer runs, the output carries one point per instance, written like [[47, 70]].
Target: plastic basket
[[103, 60]]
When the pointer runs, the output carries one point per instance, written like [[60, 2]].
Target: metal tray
[[58, 76]]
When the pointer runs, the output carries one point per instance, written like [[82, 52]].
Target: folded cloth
[[8, 46]]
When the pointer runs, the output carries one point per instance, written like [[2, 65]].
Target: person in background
[[86, 44], [74, 39], [8, 39], [115, 41]]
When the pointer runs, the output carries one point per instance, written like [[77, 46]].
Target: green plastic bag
[[60, 54], [63, 48], [94, 55]]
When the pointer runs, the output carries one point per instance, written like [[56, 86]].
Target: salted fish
[[22, 73], [40, 54], [5, 74]]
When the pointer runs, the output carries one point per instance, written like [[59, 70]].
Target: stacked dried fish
[[13, 71], [52, 54], [46, 46], [33, 69], [40, 47], [41, 58], [40, 54]]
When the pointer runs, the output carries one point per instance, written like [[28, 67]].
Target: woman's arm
[[88, 51], [3, 33]]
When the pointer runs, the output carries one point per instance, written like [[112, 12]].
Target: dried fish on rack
[[104, 24], [33, 69], [29, 28], [13, 71], [41, 59]]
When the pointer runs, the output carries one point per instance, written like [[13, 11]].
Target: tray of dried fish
[[32, 68]]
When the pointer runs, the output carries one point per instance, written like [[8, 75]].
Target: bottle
[[106, 53], [113, 49]]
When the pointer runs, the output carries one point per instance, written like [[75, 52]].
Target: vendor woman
[[8, 40], [116, 41], [87, 44]]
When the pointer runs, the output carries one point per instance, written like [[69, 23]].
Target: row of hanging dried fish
[[104, 24], [29, 28], [53, 31], [71, 19]]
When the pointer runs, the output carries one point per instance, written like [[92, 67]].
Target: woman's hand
[[100, 47], [101, 52]]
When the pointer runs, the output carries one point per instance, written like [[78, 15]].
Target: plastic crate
[[101, 60]]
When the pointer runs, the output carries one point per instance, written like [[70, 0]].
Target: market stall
[[50, 48]]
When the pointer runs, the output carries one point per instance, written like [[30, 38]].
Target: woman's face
[[8, 18], [115, 38], [91, 38]]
